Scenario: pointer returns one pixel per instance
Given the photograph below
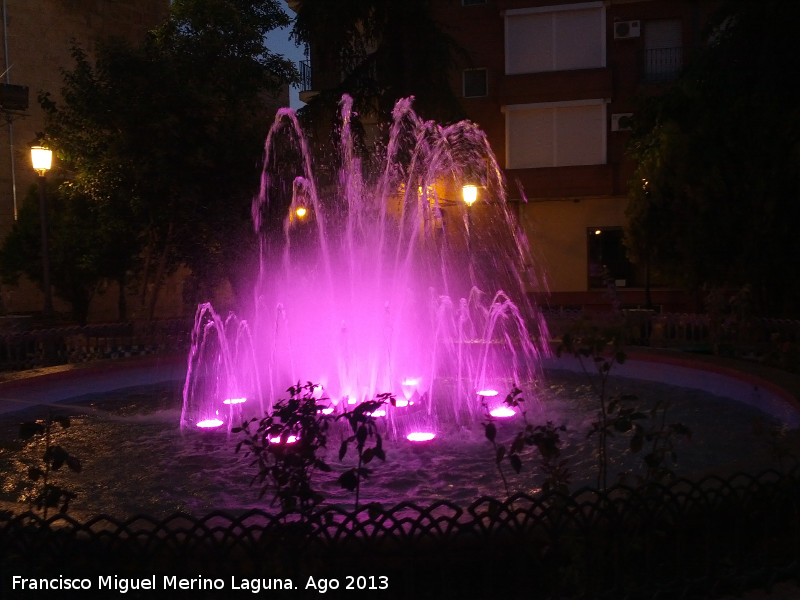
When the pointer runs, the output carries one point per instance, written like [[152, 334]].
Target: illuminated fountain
[[397, 282]]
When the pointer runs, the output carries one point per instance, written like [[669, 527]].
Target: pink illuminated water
[[375, 278]]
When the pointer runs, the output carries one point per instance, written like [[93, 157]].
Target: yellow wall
[[557, 235]]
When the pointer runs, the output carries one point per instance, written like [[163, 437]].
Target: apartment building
[[553, 85]]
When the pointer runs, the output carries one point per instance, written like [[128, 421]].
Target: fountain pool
[[136, 460]]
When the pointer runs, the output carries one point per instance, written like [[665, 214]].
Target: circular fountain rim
[[774, 392]]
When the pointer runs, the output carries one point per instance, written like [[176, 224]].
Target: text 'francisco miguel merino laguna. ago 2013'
[[123, 585]]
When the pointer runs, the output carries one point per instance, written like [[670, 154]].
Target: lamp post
[[470, 194], [42, 158]]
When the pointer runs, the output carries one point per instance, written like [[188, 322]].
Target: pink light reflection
[[209, 423], [488, 393], [420, 436], [234, 401], [502, 412], [277, 439]]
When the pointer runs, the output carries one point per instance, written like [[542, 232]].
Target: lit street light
[[470, 194], [42, 158]]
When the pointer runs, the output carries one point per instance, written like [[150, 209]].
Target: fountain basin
[[137, 460]]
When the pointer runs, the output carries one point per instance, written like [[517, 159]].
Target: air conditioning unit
[[627, 29], [621, 121]]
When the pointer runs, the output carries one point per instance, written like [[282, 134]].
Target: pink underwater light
[[277, 439], [502, 412], [234, 400], [420, 436], [209, 423]]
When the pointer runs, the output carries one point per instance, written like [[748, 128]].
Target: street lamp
[[42, 159], [470, 194]]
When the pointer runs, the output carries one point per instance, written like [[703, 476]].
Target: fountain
[[374, 283]]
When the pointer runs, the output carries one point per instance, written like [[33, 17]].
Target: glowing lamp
[[209, 423], [301, 212], [234, 400], [376, 413], [400, 403], [277, 439], [470, 194], [502, 412], [409, 386], [42, 159], [420, 436], [488, 393]]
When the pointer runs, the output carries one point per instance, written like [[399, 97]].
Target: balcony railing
[[660, 65], [305, 76]]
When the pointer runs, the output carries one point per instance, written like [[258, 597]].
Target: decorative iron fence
[[772, 341], [27, 349], [689, 539]]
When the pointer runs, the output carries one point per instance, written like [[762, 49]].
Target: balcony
[[662, 65], [306, 89]]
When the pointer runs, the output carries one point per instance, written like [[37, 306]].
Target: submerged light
[[502, 412], [420, 436], [234, 400], [277, 439], [209, 423]]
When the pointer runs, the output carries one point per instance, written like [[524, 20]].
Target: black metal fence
[[775, 342], [27, 349], [686, 540]]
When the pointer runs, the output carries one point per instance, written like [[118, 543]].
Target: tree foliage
[[714, 200], [386, 50], [164, 140], [79, 252]]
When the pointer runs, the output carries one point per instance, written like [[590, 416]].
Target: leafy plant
[[545, 438], [286, 445], [602, 347], [364, 427], [46, 494], [490, 430]]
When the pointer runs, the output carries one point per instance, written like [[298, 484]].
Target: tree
[[714, 199], [75, 245], [385, 50], [165, 140]]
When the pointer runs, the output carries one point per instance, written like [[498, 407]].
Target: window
[[663, 50], [556, 134], [607, 258], [475, 83], [555, 38]]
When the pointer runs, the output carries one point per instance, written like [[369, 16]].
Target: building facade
[[553, 85], [37, 36]]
